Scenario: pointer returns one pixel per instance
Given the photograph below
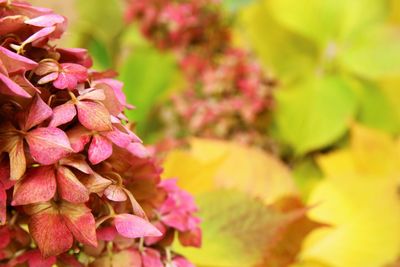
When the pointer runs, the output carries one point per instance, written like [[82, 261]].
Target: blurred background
[[282, 119]]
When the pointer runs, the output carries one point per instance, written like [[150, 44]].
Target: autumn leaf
[[211, 164], [239, 230], [359, 198]]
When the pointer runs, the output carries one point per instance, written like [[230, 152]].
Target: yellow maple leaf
[[360, 199], [211, 164]]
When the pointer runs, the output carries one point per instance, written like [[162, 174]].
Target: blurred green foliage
[[331, 57]]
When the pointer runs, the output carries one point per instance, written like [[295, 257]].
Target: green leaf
[[374, 53], [315, 113], [100, 55], [377, 110], [100, 18], [147, 75], [327, 20], [289, 55]]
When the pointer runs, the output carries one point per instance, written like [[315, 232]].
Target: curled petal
[[115, 193], [133, 226]]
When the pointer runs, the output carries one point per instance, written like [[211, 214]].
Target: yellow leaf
[[213, 164], [360, 199]]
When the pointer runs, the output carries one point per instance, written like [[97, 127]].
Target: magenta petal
[[80, 222], [11, 24], [138, 150], [79, 137], [78, 162], [119, 138], [9, 87], [92, 94], [38, 185], [48, 145], [151, 258], [107, 233], [133, 226], [69, 187], [38, 112], [14, 62], [64, 81], [181, 262], [63, 114], [48, 78], [100, 149], [3, 206], [45, 32], [115, 193], [94, 116], [46, 20]]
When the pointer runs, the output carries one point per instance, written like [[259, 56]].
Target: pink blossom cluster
[[180, 24], [77, 186], [227, 94]]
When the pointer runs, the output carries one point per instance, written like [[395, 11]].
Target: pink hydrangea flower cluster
[[180, 24], [227, 94], [77, 186]]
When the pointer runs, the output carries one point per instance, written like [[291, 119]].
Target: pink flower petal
[[151, 258], [14, 62], [94, 116], [34, 258], [37, 112], [78, 162], [133, 226], [64, 81], [48, 78], [115, 193], [92, 94], [9, 87], [79, 137], [17, 159], [49, 230], [48, 145], [80, 222], [100, 149], [95, 183], [107, 233], [119, 138], [38, 185], [191, 238], [181, 262], [11, 24], [63, 114], [5, 237], [69, 187], [43, 33], [138, 150], [3, 208], [46, 20]]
